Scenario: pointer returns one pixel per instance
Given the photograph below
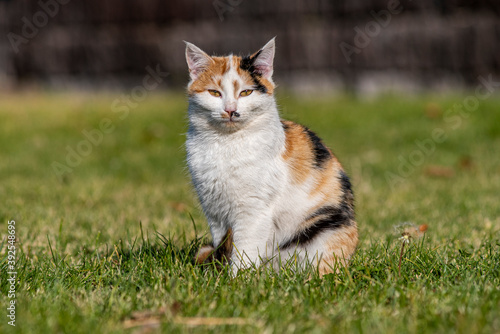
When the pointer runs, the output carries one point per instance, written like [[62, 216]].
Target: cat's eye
[[246, 92], [214, 92]]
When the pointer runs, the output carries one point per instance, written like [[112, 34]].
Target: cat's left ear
[[263, 60], [197, 60]]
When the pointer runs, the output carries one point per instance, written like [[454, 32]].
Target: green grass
[[107, 247]]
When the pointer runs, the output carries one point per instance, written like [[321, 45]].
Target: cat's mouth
[[234, 117], [231, 120], [229, 123]]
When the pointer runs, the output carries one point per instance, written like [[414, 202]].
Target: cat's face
[[229, 92]]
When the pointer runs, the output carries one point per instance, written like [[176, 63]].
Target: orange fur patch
[[338, 252], [236, 88], [327, 182], [269, 86], [300, 157], [298, 153], [211, 76]]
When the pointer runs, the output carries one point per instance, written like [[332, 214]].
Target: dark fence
[[352, 44]]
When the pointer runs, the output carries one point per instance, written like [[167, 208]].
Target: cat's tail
[[220, 255]]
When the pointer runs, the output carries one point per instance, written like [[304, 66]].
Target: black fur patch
[[348, 197], [225, 249], [221, 255], [247, 65], [321, 153], [329, 217]]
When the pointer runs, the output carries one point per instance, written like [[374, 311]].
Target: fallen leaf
[[178, 206], [433, 111], [423, 228], [466, 163], [439, 171], [145, 324], [149, 319], [209, 321]]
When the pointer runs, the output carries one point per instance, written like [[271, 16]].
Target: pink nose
[[231, 110]]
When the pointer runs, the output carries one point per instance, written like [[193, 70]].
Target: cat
[[271, 191]]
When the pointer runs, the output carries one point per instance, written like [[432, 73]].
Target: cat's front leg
[[251, 242], [218, 231]]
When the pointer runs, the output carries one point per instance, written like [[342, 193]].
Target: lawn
[[106, 221]]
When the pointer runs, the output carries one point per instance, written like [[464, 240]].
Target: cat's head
[[230, 92]]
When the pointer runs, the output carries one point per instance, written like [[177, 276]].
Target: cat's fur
[[271, 190]]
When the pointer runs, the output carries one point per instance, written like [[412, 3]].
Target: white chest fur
[[236, 174]]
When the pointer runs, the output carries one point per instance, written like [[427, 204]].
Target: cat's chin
[[230, 125]]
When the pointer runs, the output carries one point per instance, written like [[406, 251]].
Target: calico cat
[[271, 190]]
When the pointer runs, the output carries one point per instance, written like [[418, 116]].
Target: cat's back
[[315, 177], [307, 156]]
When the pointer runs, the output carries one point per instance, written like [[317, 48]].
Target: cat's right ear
[[197, 60], [263, 60]]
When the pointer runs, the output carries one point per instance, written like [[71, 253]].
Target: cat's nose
[[233, 113], [230, 109]]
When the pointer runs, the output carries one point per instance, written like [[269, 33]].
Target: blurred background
[[361, 46]]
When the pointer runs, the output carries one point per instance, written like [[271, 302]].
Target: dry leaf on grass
[[209, 321], [433, 111], [150, 318], [178, 206], [466, 163], [439, 171]]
